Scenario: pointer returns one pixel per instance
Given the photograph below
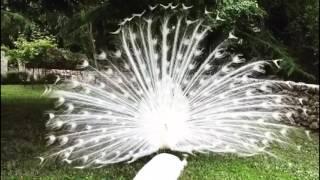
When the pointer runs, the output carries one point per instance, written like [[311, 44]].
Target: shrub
[[49, 78], [14, 78], [31, 51]]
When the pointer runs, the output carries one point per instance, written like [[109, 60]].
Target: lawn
[[22, 132]]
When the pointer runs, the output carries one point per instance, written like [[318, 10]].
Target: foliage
[[49, 78], [303, 30], [264, 45], [289, 29], [31, 51], [78, 30], [58, 58], [14, 78], [295, 25], [234, 11], [11, 25], [305, 23], [41, 51], [250, 20]]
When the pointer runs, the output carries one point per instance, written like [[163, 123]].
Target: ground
[[22, 141]]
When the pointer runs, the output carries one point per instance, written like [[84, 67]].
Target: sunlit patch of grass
[[22, 94], [22, 132]]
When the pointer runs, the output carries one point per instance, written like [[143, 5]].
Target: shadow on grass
[[22, 127]]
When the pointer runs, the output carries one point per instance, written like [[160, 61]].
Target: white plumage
[[161, 167]]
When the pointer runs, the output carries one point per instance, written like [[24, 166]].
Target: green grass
[[22, 132]]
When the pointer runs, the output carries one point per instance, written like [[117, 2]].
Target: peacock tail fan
[[162, 90]]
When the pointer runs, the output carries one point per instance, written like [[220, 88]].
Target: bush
[[31, 51], [49, 78], [14, 78]]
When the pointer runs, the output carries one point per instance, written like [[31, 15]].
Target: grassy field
[[22, 132]]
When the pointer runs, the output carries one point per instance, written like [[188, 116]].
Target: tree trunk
[[32, 81], [93, 47], [20, 65], [4, 64]]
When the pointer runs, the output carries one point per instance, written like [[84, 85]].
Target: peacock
[[162, 90]]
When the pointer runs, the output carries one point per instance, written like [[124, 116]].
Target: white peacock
[[171, 94]]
